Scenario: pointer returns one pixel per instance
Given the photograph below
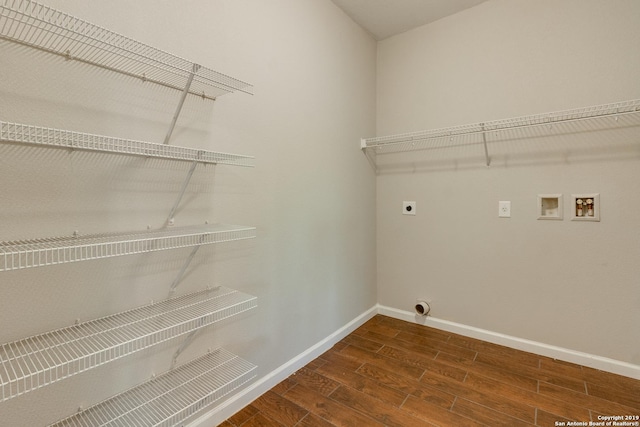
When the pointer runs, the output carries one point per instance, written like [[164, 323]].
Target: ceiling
[[385, 18]]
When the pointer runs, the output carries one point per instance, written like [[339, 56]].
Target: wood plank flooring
[[394, 373]]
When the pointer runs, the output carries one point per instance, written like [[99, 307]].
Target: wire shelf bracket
[[185, 92], [58, 138], [484, 142], [178, 279], [38, 361], [415, 141], [172, 397], [187, 341], [185, 183], [191, 336], [20, 254], [41, 27]]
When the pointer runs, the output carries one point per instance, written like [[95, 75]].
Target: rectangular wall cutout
[[550, 206], [585, 207]]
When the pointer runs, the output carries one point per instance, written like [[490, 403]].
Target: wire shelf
[[49, 137], [34, 362], [41, 27], [422, 139], [171, 397], [21, 254]]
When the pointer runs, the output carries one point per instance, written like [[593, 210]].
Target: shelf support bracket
[[170, 219], [484, 141], [178, 278], [185, 91], [187, 341]]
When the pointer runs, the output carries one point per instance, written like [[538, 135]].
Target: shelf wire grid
[[42, 27], [37, 361], [22, 254], [171, 397], [422, 139], [50, 137]]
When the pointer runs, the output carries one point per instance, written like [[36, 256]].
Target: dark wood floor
[[394, 373]]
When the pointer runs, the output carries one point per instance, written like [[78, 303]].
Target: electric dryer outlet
[[409, 208]]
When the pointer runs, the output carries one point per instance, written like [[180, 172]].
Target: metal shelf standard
[[21, 254], [424, 139], [33, 24], [49, 137], [34, 362]]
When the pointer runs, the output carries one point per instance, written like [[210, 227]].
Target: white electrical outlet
[[408, 208], [504, 209]]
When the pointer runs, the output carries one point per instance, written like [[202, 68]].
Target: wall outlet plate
[[409, 208], [585, 207], [550, 206], [504, 209]]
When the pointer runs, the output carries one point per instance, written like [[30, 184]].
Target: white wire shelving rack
[[547, 122], [170, 398], [50, 137], [22, 254], [32, 363], [41, 27], [40, 360]]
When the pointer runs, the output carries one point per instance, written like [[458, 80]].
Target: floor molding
[[247, 395], [560, 353]]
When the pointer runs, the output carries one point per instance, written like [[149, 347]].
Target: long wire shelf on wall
[[21, 254], [47, 29], [34, 362], [172, 397], [547, 122], [49, 137]]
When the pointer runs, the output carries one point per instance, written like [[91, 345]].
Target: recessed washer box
[[550, 206], [585, 207]]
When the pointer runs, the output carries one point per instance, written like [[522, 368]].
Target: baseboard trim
[[243, 398], [247, 395], [555, 352]]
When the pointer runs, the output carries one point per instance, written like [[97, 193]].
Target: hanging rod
[[42, 136], [548, 119], [41, 27]]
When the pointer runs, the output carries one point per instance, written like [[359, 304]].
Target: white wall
[[311, 194], [560, 283]]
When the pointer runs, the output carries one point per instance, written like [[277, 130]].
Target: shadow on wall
[[610, 139]]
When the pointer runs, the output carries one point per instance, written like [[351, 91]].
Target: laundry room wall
[[560, 283]]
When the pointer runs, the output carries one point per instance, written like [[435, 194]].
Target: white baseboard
[[273, 378], [560, 353]]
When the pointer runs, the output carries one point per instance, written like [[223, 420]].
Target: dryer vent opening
[[422, 308]]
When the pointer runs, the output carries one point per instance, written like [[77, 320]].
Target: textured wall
[[565, 283], [312, 266]]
